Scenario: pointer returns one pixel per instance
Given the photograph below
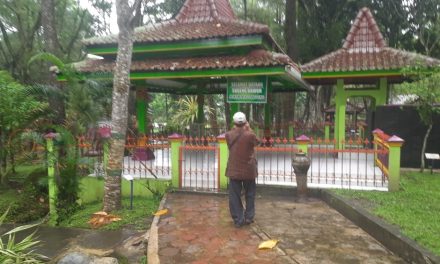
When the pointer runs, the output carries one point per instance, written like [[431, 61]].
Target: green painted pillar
[[303, 143], [291, 130], [327, 131], [381, 99], [395, 144], [257, 131], [341, 101], [52, 185], [141, 111], [223, 161], [176, 141]]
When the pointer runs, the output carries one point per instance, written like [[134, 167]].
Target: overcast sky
[[113, 23]]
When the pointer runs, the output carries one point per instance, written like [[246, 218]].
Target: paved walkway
[[198, 229]]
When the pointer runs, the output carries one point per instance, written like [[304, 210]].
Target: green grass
[[137, 219], [26, 197], [415, 209]]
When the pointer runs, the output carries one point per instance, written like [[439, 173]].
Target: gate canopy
[[364, 58], [196, 52]]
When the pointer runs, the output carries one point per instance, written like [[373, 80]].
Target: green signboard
[[247, 90]]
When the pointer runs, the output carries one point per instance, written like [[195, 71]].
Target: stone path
[[198, 229]]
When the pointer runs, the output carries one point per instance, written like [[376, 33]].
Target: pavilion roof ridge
[[364, 33], [195, 9]]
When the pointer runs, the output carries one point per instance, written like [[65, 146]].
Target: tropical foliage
[[18, 111], [12, 251], [424, 92]]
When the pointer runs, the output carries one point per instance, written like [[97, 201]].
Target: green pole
[[141, 114], [383, 88], [176, 141], [223, 160], [291, 130], [52, 185], [395, 144], [340, 113], [327, 131]]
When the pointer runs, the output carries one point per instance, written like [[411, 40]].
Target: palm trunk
[[422, 154], [121, 87]]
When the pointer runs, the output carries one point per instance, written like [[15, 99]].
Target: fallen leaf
[[100, 213], [99, 219], [161, 212], [268, 244]]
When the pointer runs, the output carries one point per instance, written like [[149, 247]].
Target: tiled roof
[[173, 31], [365, 49], [197, 19], [205, 9], [256, 58], [381, 59]]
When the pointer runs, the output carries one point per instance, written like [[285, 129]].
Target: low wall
[[92, 188]]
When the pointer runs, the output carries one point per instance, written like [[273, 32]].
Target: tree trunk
[[49, 29], [121, 87], [290, 30], [422, 155], [51, 45]]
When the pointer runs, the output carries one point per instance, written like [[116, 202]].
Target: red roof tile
[[364, 33], [256, 58], [365, 49], [205, 9], [197, 19]]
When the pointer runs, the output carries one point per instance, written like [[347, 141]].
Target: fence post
[[303, 143], [176, 141], [52, 185], [223, 161], [395, 144], [327, 131]]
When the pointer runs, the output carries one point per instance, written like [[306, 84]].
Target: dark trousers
[[235, 204]]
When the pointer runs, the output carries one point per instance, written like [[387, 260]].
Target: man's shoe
[[238, 225], [248, 221]]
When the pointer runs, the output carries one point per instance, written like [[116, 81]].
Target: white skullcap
[[239, 118]]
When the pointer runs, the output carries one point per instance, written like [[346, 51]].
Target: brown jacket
[[242, 164]]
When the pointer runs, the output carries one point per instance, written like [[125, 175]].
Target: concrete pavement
[[198, 229]]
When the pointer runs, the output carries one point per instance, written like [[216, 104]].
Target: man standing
[[241, 170]]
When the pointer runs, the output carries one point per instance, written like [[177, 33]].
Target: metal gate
[[199, 164]]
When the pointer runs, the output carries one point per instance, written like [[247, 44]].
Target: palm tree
[[121, 88]]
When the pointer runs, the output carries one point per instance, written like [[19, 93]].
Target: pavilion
[[204, 49], [364, 67]]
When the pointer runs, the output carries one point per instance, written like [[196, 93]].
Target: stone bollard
[[301, 164]]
